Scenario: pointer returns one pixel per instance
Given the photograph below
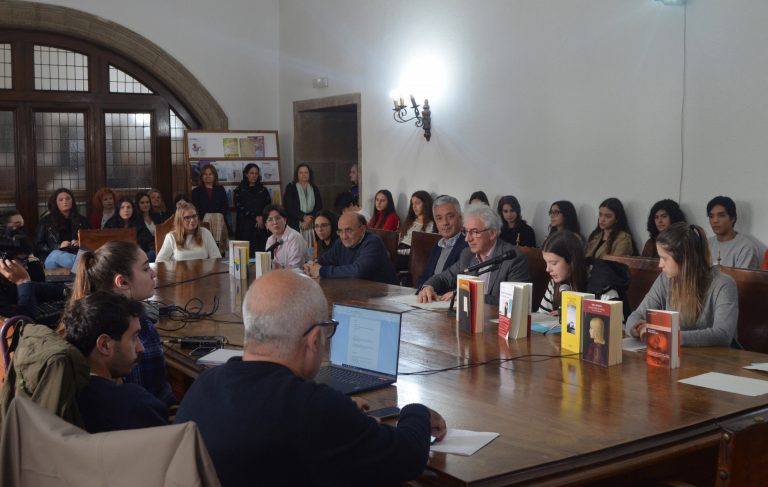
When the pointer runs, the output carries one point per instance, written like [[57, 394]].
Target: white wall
[[230, 47]]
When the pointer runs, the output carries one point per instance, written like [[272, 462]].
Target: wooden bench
[[643, 272], [391, 240], [93, 239], [422, 244]]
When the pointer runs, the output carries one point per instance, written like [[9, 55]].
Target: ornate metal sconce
[[423, 118]]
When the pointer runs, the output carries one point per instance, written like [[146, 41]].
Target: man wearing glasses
[[481, 230], [265, 422], [357, 253]]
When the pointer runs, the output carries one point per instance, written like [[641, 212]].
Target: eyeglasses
[[318, 226], [189, 218], [346, 231], [554, 212], [331, 323], [275, 219], [474, 233]]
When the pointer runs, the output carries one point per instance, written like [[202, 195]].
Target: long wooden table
[[561, 421]]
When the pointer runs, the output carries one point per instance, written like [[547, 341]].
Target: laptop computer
[[365, 350]]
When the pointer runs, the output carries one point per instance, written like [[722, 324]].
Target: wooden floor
[[562, 422]]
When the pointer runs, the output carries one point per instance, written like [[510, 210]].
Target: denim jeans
[[59, 258]]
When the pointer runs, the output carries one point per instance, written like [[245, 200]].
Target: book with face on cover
[[570, 320], [470, 303], [514, 309], [662, 338], [601, 332]]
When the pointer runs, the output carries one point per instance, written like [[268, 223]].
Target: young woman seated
[[384, 215], [127, 217], [157, 210], [611, 236], [563, 216], [663, 214], [326, 226], [514, 229], [479, 197], [706, 298], [568, 271], [56, 241], [103, 207], [188, 240], [419, 219], [291, 251], [123, 268]]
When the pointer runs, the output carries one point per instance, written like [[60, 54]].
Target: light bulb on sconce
[[423, 118]]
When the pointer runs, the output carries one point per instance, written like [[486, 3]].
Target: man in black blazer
[[447, 212], [481, 227]]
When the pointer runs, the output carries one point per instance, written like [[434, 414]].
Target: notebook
[[365, 350]]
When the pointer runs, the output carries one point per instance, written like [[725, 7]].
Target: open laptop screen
[[365, 338]]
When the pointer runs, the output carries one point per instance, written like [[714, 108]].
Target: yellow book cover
[[570, 320]]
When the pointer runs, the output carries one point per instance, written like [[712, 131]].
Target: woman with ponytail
[[706, 298], [123, 268]]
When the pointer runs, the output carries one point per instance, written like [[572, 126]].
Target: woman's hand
[[259, 222], [65, 244], [639, 330]]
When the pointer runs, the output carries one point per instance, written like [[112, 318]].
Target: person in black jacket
[[302, 199], [127, 217], [251, 197], [56, 242], [514, 229], [210, 197]]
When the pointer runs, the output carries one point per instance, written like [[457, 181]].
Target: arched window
[[75, 114]]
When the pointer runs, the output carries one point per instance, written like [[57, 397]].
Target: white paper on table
[[463, 442], [632, 344], [413, 300], [220, 356], [729, 383], [758, 366], [544, 318]]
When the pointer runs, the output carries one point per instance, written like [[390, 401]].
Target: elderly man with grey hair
[[265, 422], [481, 230], [448, 220]]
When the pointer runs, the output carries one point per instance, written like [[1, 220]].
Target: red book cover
[[662, 338]]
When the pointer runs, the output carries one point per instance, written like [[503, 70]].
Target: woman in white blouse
[[188, 240], [290, 253]]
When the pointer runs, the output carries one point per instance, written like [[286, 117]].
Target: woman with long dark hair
[[302, 200], [326, 226], [384, 214], [419, 219], [251, 197], [706, 299], [127, 217], [563, 216], [514, 229], [663, 214], [56, 243], [611, 236]]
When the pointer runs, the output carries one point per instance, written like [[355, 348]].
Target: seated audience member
[[264, 407], [384, 214], [145, 216], [56, 242], [481, 227], [514, 229], [563, 216], [419, 219], [569, 270], [12, 223], [178, 200], [158, 211], [123, 268], [358, 253], [290, 253], [128, 217], [663, 214], [19, 294], [727, 246], [447, 212], [611, 236], [706, 298], [188, 240], [325, 232], [103, 207], [479, 197], [302, 200], [105, 328]]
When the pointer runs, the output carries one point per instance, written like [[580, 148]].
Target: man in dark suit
[[447, 212], [481, 227]]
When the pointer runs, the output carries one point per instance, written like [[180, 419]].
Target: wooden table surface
[[562, 421]]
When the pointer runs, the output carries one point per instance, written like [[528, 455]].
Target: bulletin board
[[229, 151]]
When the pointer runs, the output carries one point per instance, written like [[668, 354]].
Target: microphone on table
[[271, 248], [509, 254]]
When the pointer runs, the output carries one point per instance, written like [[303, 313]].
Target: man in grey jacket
[[481, 227]]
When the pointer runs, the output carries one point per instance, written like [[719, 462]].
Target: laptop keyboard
[[49, 312], [346, 376]]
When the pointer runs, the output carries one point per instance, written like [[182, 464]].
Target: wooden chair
[[161, 230], [421, 247], [742, 458], [390, 239], [537, 269], [643, 272], [93, 239], [752, 325]]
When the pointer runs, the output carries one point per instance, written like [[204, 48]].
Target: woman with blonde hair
[[188, 240], [706, 298]]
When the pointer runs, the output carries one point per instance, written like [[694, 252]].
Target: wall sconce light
[[423, 118]]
